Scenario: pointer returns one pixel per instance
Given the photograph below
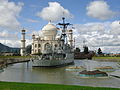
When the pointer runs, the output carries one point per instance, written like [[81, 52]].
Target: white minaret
[[71, 38], [22, 52], [33, 38]]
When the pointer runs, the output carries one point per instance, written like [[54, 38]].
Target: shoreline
[[102, 59], [4, 61]]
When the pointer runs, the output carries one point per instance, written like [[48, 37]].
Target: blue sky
[[77, 8], [96, 21]]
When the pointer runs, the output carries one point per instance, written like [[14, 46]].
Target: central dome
[[49, 26], [49, 31]]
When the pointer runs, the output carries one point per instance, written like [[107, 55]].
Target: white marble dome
[[49, 31], [49, 27]]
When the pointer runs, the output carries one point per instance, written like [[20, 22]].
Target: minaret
[[33, 38], [71, 38], [22, 52]]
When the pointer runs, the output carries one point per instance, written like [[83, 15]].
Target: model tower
[[22, 52], [71, 38]]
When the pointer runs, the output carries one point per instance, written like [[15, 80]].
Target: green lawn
[[30, 86], [106, 57]]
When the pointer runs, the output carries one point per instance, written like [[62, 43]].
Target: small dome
[[49, 26]]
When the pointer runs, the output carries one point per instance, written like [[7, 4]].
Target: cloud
[[115, 28], [6, 35], [14, 43], [9, 24], [104, 35], [11, 43], [9, 12], [90, 27], [54, 12], [100, 10], [32, 20], [9, 39]]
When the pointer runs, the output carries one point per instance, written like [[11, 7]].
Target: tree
[[77, 50], [86, 50], [99, 51], [28, 49]]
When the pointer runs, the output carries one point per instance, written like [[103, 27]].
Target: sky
[[97, 22]]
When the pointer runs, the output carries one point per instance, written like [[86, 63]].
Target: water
[[24, 72]]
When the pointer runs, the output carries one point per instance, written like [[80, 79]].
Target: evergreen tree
[[77, 50], [86, 51], [99, 51], [28, 49]]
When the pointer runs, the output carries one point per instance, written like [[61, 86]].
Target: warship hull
[[51, 63]]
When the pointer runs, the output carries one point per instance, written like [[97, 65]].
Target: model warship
[[55, 46]]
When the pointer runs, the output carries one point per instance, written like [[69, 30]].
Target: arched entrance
[[47, 46]]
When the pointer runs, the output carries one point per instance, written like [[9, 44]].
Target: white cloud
[[9, 11], [115, 27], [100, 10], [99, 35], [13, 39], [6, 35], [14, 43], [90, 27], [32, 20], [9, 24], [54, 12], [11, 43]]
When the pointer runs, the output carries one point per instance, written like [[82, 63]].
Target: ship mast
[[64, 28]]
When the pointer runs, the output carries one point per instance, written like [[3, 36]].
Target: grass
[[106, 57], [31, 86]]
